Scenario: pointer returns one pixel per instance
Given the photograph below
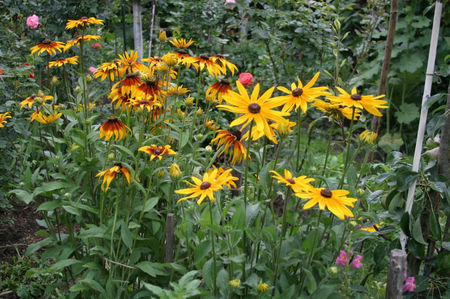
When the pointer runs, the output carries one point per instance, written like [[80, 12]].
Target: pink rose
[[33, 21], [246, 79], [356, 263], [92, 69], [409, 285], [341, 260]]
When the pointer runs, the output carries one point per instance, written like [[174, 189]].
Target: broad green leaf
[[126, 235], [311, 284], [64, 263], [72, 210], [435, 226], [390, 142], [417, 232], [202, 251], [152, 269], [50, 186], [49, 205], [407, 113], [23, 195]]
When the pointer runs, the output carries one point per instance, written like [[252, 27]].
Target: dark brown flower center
[[356, 97], [326, 193], [205, 185], [112, 119], [291, 181], [219, 55], [84, 18], [46, 41], [182, 51], [151, 83], [236, 133], [225, 81], [144, 102], [297, 92], [204, 56], [118, 164], [254, 108], [158, 151]]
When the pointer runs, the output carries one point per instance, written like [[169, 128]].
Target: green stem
[[328, 148], [197, 99], [283, 233], [299, 114], [347, 153], [213, 247]]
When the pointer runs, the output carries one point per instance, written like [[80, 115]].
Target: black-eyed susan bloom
[[29, 101], [336, 110], [157, 151], [109, 174], [227, 65], [79, 39], [254, 108], [297, 184], [219, 90], [369, 103], [181, 42], [83, 22], [3, 117], [62, 61], [111, 70], [204, 61], [205, 187], [232, 145], [336, 201], [113, 127], [300, 96], [47, 46], [129, 61], [43, 118]]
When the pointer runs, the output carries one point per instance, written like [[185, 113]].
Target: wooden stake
[[396, 274], [387, 59], [170, 237]]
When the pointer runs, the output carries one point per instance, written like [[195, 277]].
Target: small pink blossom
[[356, 263], [409, 285], [341, 260], [92, 69], [230, 2], [96, 46], [33, 21], [246, 79]]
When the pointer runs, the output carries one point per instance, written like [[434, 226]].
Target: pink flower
[[33, 21], [409, 285], [246, 79], [341, 260], [356, 263], [230, 2], [92, 69], [96, 46]]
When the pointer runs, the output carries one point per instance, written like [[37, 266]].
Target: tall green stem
[[213, 247], [347, 151], [283, 233], [297, 163]]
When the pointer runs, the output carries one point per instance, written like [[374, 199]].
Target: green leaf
[[64, 263], [202, 251], [124, 150], [311, 284], [417, 232], [72, 210], [49, 205], [407, 113], [435, 226], [23, 195], [49, 187], [79, 287], [207, 273], [93, 285], [152, 269], [184, 139], [410, 63], [390, 142], [126, 235], [238, 219]]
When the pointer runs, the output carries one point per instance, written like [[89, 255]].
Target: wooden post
[[387, 59], [137, 27], [170, 237], [396, 274]]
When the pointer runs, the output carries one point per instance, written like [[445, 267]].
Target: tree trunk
[[396, 274]]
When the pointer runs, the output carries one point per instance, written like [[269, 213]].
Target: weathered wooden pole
[[396, 274], [137, 27], [387, 59]]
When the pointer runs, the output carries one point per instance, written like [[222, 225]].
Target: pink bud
[[246, 79], [92, 69]]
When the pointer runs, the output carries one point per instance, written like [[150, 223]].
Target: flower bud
[[199, 111], [162, 36], [353, 223], [208, 149], [77, 89], [170, 59], [189, 102], [54, 80], [235, 283], [262, 287], [88, 78], [161, 173], [333, 270], [111, 156], [174, 171]]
